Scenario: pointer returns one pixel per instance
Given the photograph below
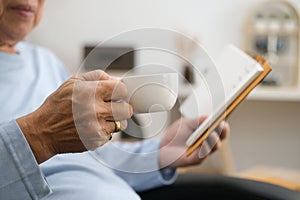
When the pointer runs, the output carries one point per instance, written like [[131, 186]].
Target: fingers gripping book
[[220, 92]]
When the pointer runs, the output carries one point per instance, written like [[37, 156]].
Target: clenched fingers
[[111, 90], [114, 111], [95, 75]]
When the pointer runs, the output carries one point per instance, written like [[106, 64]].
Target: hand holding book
[[240, 73]]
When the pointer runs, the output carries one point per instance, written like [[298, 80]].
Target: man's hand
[[79, 115], [173, 147]]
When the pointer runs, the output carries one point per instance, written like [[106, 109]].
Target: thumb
[[95, 75], [200, 120], [194, 123]]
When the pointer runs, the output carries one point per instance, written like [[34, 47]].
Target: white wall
[[69, 24]]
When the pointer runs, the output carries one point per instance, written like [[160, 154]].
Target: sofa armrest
[[208, 186]]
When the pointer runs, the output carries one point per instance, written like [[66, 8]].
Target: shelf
[[280, 32], [275, 94], [261, 93]]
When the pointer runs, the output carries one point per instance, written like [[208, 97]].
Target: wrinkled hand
[[79, 115], [173, 148]]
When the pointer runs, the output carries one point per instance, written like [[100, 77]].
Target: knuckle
[[123, 124], [123, 88], [104, 89], [107, 127], [104, 110], [130, 110], [119, 89]]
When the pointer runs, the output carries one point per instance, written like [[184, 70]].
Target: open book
[[238, 73]]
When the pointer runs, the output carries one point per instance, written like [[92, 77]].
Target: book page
[[236, 70]]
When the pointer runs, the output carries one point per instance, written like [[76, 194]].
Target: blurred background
[[265, 129]]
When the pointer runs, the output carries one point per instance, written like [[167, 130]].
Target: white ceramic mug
[[153, 92]]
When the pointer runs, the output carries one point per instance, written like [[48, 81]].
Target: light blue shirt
[[113, 171]]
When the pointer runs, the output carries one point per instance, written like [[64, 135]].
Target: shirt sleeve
[[20, 177], [137, 163]]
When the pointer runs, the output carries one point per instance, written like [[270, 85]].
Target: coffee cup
[[152, 92]]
